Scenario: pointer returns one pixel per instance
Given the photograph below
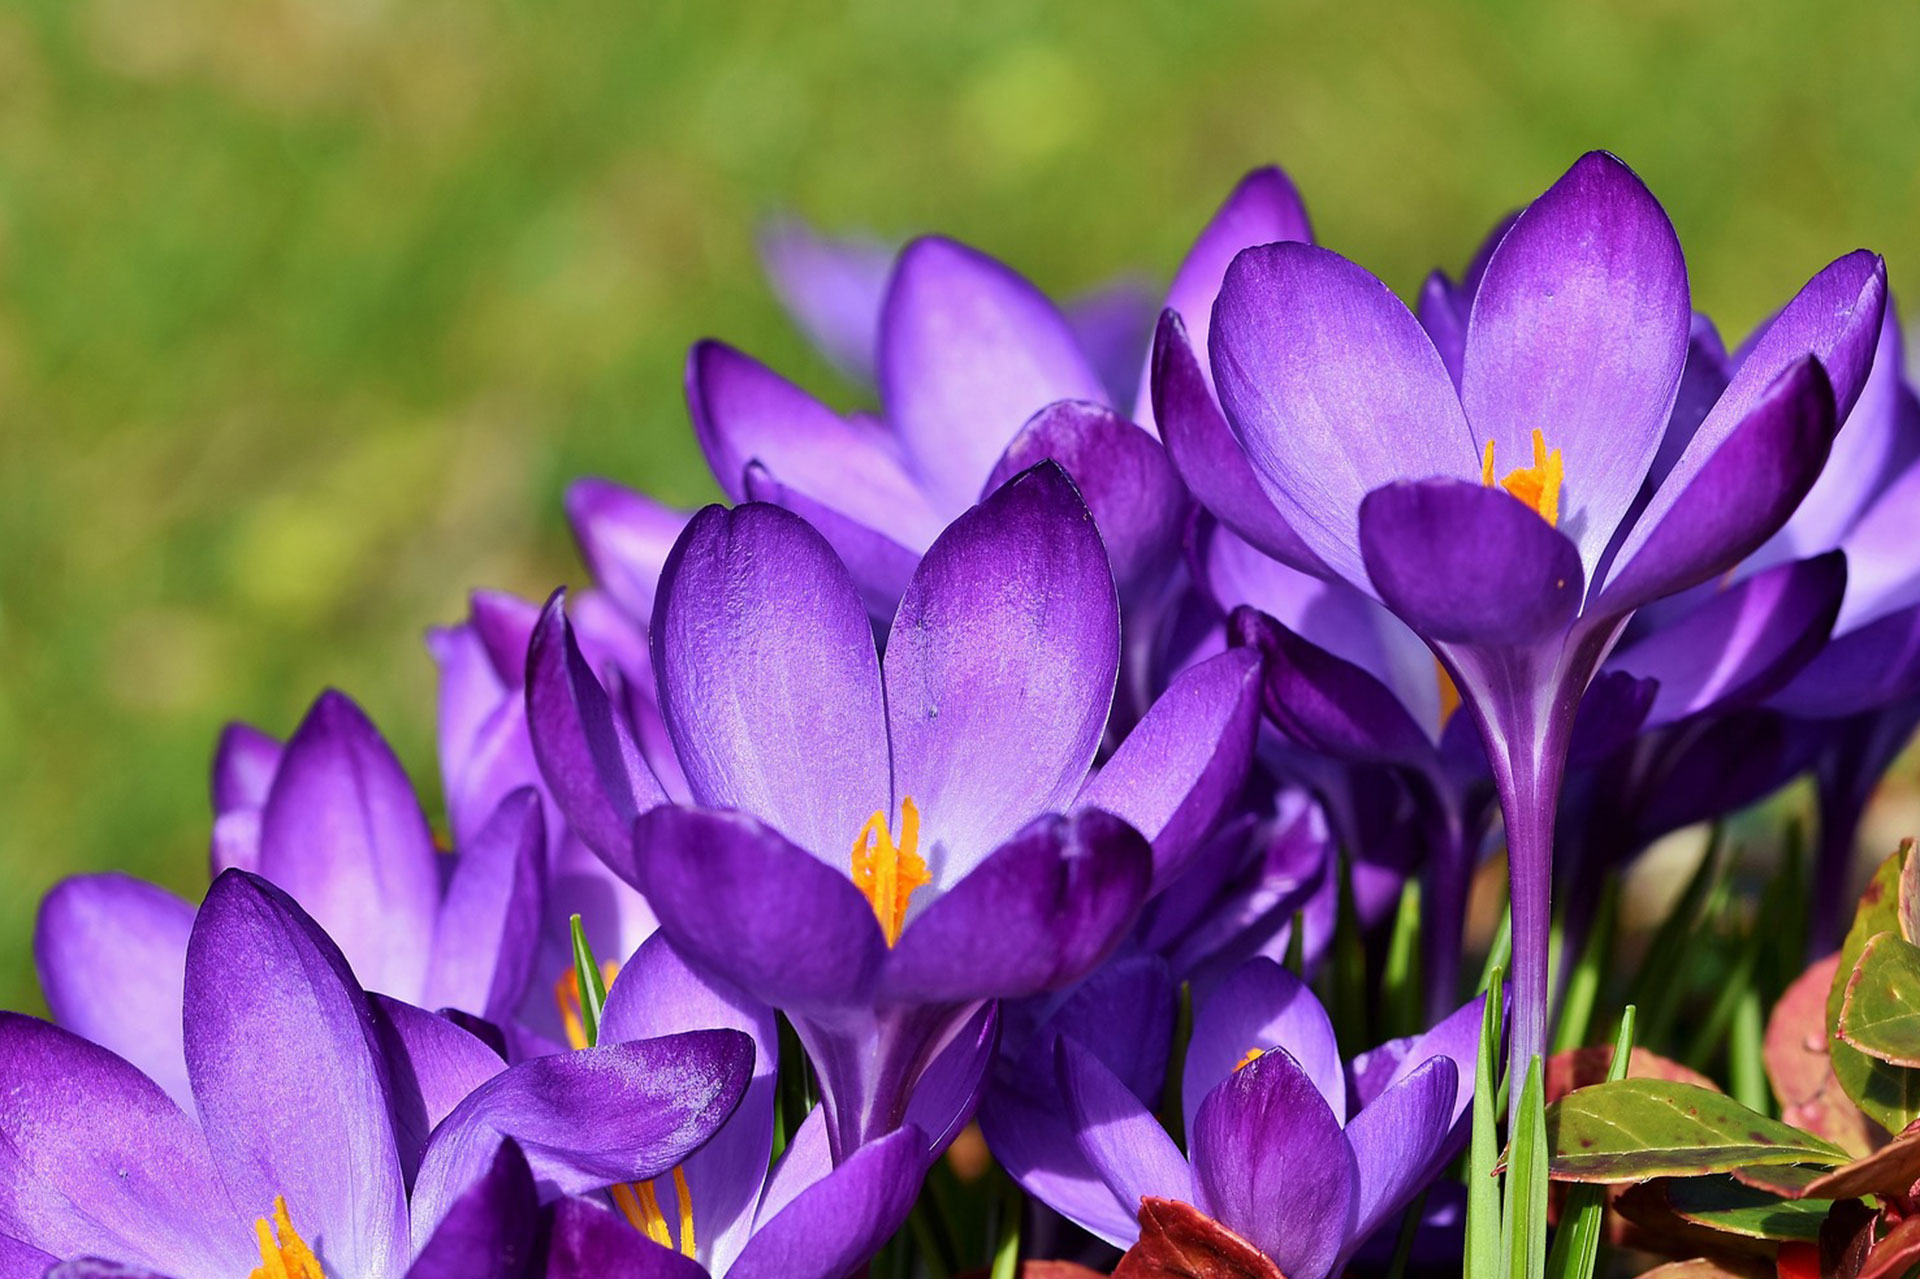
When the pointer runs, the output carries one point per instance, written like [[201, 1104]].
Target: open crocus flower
[[334, 823], [1291, 1149], [332, 1133], [879, 847], [1516, 521]]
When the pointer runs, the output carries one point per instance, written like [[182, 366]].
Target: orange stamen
[[283, 1253], [1537, 485], [639, 1203], [566, 993], [1449, 693], [887, 873], [1252, 1055]]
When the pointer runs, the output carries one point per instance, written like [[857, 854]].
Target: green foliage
[[1880, 1011], [1576, 1244], [1890, 1095], [1633, 1129]]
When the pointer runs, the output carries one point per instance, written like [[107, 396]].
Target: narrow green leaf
[[593, 983], [1006, 1250], [1404, 997], [1576, 1245], [1583, 983], [1889, 1094], [1483, 1185], [1173, 1108], [1747, 1053], [1526, 1206], [1297, 945], [1633, 1129], [1880, 1011], [1499, 954]]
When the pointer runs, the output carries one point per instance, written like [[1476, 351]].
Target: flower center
[[887, 873], [283, 1253], [1249, 1057], [1537, 485], [640, 1204]]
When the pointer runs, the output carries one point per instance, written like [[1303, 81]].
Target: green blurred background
[[308, 308]]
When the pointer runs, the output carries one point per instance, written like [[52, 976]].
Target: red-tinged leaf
[[1634, 1129], [1880, 1012], [1846, 1239], [1896, 1253], [1890, 1095], [1648, 1223], [1909, 915], [1801, 1069], [1890, 1170], [1725, 1205], [1043, 1270], [1178, 1241], [1718, 1268], [1583, 1067]]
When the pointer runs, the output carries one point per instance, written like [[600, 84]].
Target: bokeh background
[[309, 308]]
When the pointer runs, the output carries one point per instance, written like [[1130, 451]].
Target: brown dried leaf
[[1178, 1241], [1711, 1268]]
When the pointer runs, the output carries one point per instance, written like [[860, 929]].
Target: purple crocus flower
[[1298, 1153], [1516, 521], [332, 820], [878, 847], [329, 1130]]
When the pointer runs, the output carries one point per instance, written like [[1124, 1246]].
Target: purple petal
[[1270, 1162], [743, 412], [881, 566], [1398, 1140], [1000, 669], [244, 764], [288, 1074], [768, 678], [1442, 308], [948, 1091], [589, 1119], [1717, 507], [832, 286], [1261, 1006], [656, 994], [1326, 703], [583, 743], [837, 1223], [19, 1261], [1113, 325], [592, 1242], [624, 537], [1580, 329], [1702, 382], [343, 835], [1865, 669], [111, 952], [969, 351], [432, 1065], [1455, 1037], [490, 1231], [1333, 390], [489, 927], [1883, 572], [1038, 913], [1138, 503], [1207, 457], [1123, 1015], [1835, 317], [1262, 208], [1186, 760], [1120, 1138], [739, 899], [94, 1158], [1466, 563], [1743, 643], [482, 728], [807, 1158]]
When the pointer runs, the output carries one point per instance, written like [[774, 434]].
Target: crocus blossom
[[330, 1131], [1517, 520]]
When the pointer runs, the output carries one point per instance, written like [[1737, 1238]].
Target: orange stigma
[[283, 1253], [1537, 485], [887, 873], [639, 1203], [1252, 1055], [1449, 692], [566, 993]]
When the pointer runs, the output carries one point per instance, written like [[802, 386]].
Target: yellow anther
[[887, 873], [1537, 485], [1248, 1058], [283, 1253], [566, 993], [639, 1203], [1449, 692]]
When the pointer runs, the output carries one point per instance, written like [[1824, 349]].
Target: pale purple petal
[[969, 351], [1326, 703], [289, 1076], [1261, 1006], [768, 678], [624, 537], [836, 1224], [432, 1065], [1120, 1138], [491, 1230], [343, 834], [832, 286], [111, 952], [589, 1241], [1579, 330], [1113, 325], [1333, 389], [488, 932], [1398, 1140], [243, 767], [880, 565], [1000, 669], [1883, 568]]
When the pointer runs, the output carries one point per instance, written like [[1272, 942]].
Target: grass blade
[[1583, 983], [1526, 1205], [1483, 1186], [1576, 1245], [593, 984]]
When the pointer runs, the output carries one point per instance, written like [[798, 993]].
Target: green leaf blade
[[1634, 1129]]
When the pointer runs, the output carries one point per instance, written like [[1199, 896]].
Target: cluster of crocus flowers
[[1020, 742]]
